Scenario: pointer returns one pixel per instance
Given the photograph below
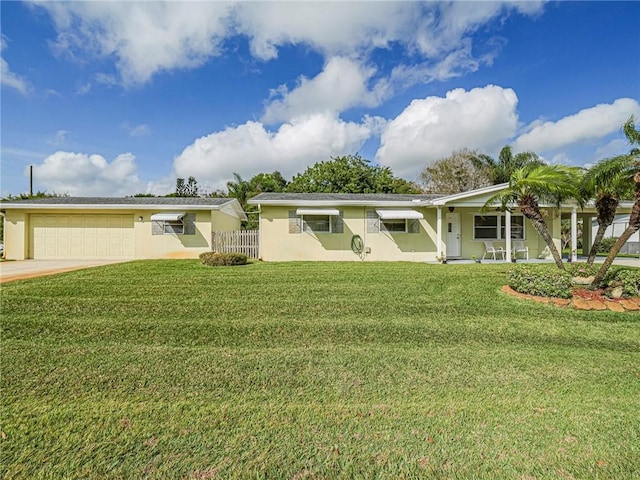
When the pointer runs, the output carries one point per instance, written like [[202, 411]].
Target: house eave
[[340, 203]]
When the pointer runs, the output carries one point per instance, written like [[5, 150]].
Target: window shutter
[[295, 222], [414, 226], [189, 221], [157, 227], [373, 222], [337, 223]]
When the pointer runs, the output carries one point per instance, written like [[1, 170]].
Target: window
[[485, 227], [492, 227], [397, 225], [517, 228], [173, 223], [173, 227], [316, 223]]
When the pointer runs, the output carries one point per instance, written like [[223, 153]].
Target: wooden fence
[[238, 241]]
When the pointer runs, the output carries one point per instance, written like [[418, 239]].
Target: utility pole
[[31, 180]]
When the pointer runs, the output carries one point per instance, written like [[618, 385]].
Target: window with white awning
[[171, 222], [399, 221], [399, 215], [167, 217], [318, 211]]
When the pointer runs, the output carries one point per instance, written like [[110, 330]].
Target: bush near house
[[540, 280], [223, 259], [606, 244]]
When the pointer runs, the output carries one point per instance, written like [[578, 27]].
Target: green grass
[[169, 369]]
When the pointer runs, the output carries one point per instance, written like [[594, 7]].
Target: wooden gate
[[238, 241]]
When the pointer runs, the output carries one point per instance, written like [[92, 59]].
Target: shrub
[[628, 279], [581, 269], [223, 259], [606, 244], [540, 281]]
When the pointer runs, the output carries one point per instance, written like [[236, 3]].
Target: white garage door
[[82, 236]]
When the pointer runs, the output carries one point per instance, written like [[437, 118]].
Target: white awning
[[399, 214], [167, 217], [318, 211]]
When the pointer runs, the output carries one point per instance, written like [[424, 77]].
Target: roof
[[227, 205], [334, 199], [174, 201]]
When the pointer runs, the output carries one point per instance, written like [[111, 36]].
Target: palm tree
[[507, 163], [239, 190], [533, 183], [630, 168], [607, 182]]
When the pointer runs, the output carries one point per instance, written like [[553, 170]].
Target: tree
[[461, 171], [349, 174], [239, 189], [267, 182], [607, 182], [189, 189], [530, 185], [508, 163], [629, 168]]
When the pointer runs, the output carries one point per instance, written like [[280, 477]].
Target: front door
[[453, 235]]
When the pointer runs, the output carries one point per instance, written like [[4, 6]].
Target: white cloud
[[249, 148], [139, 130], [433, 127], [148, 37], [144, 37], [590, 124], [332, 28], [59, 138], [83, 88], [79, 174], [8, 78], [342, 84]]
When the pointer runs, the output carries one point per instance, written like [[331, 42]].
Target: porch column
[[586, 234], [439, 252], [507, 234], [574, 234]]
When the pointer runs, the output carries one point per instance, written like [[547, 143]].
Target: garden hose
[[357, 245]]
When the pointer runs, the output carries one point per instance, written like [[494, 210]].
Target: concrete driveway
[[21, 269]]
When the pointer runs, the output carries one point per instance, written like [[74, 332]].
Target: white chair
[[491, 249], [518, 246]]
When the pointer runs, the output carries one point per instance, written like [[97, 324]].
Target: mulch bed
[[584, 299]]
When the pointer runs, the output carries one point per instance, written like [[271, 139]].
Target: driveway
[[21, 269]]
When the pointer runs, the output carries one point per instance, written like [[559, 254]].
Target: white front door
[[453, 235]]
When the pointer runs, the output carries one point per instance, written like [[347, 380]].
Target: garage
[[82, 236]]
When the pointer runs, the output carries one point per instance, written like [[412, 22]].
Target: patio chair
[[518, 246], [489, 248]]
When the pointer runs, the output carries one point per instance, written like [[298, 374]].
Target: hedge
[[223, 259]]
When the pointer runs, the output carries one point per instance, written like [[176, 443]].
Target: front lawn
[[170, 369]]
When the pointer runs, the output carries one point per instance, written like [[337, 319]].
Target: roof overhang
[[399, 215], [167, 217], [318, 211], [105, 206], [468, 195], [340, 203]]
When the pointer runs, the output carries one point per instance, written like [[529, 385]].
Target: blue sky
[[116, 98]]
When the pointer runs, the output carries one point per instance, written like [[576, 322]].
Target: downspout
[[439, 252], [507, 234], [574, 234], [259, 231]]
